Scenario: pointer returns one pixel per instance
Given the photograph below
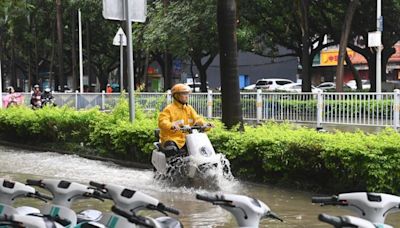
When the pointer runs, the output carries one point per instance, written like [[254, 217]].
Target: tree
[[186, 27], [12, 22], [286, 23], [226, 20], [365, 23], [343, 43]]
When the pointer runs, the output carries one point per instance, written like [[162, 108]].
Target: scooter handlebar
[[333, 220]]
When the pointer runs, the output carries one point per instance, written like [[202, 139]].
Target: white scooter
[[247, 211], [28, 216], [65, 193], [373, 207], [127, 203], [11, 190], [348, 221], [201, 161]]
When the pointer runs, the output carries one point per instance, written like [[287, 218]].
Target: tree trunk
[[146, 66], [305, 34], [343, 43], [372, 72], [13, 68], [73, 50], [30, 55], [167, 71], [386, 53], [202, 68], [231, 106], [60, 48], [356, 75], [51, 68], [36, 60]]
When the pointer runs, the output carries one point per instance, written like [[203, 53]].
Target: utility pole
[[131, 78], [80, 52], [379, 29]]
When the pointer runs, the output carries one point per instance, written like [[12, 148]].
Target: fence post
[[320, 109], [169, 97], [209, 104], [103, 99], [76, 100], [396, 109], [259, 105]]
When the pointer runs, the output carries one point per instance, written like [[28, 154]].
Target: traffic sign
[[119, 38], [114, 10]]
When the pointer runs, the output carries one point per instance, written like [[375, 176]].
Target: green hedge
[[268, 153]]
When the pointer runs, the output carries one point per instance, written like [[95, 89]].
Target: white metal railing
[[369, 109]]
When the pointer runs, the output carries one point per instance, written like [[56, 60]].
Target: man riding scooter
[[173, 117], [47, 98]]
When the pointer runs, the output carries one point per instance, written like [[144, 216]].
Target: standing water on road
[[294, 207]]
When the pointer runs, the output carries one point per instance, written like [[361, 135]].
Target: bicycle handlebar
[[97, 185], [135, 219], [328, 200], [274, 216], [334, 220], [34, 182], [207, 198], [162, 207], [42, 196]]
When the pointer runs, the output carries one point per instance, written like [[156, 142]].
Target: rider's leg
[[171, 149]]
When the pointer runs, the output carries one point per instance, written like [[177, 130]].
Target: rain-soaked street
[[294, 207]]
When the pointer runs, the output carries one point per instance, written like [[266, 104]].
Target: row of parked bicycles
[[371, 208]]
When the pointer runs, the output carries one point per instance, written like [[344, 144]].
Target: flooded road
[[294, 207]]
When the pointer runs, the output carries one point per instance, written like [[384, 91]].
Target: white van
[[272, 83]]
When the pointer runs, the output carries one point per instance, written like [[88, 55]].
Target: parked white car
[[365, 84], [296, 87], [330, 86], [271, 84], [197, 84]]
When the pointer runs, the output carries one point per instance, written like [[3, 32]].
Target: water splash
[[209, 176], [75, 168]]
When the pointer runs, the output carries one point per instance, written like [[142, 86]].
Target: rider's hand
[[209, 125], [175, 126]]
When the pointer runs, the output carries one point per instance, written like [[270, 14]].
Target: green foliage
[[47, 124], [335, 161]]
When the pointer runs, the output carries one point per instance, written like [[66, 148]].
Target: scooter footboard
[[159, 161]]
